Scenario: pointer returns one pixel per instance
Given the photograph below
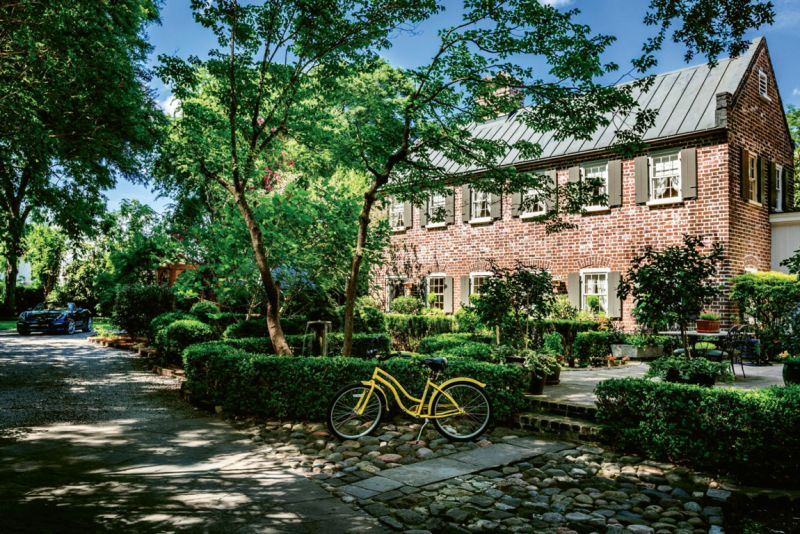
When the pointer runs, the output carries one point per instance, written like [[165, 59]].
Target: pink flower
[[260, 121]]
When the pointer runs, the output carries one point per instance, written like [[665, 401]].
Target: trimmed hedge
[[593, 346], [255, 345], [172, 340], [461, 345], [568, 328], [136, 305], [363, 344], [298, 387], [753, 435], [162, 321], [246, 328], [203, 310], [408, 330], [222, 320]]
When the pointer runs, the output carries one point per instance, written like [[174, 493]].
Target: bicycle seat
[[435, 364]]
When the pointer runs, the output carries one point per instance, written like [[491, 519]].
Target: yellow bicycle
[[459, 408]]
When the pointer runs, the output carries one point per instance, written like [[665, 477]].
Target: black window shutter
[[772, 185], [614, 183], [788, 189], [466, 203], [642, 179], [745, 178], [689, 173], [449, 206]]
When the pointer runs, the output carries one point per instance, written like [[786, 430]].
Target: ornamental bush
[[171, 341], [246, 328], [592, 347], [222, 320], [460, 345], [298, 387], [203, 310], [407, 331], [406, 305], [136, 305], [568, 328], [164, 320], [752, 435]]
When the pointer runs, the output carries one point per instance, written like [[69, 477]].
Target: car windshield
[[50, 306]]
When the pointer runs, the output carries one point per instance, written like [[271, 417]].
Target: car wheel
[[87, 327], [71, 327], [23, 331]]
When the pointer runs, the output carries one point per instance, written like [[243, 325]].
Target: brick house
[[718, 162]]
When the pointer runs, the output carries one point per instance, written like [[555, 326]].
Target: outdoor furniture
[[737, 338], [694, 336]]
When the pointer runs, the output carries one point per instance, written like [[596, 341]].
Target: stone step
[[563, 426], [543, 405]]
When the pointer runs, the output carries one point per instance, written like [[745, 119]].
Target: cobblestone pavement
[[91, 441], [557, 488]]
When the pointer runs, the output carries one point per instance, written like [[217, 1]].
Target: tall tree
[[46, 246], [74, 109], [261, 90], [409, 126]]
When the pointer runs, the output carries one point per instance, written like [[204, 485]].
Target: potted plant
[[639, 347], [791, 370], [683, 370], [541, 365], [708, 323]]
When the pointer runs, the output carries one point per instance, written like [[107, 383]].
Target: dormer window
[[763, 84]]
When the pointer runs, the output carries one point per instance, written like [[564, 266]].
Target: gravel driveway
[[90, 441]]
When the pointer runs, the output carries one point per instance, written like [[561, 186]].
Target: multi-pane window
[[476, 281], [436, 209], [752, 177], [763, 84], [397, 215], [665, 177], [597, 175], [532, 203], [778, 188], [594, 290], [436, 292], [481, 205]]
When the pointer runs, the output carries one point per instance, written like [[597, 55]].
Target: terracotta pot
[[707, 327]]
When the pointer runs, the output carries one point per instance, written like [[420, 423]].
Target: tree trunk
[[685, 340], [355, 268], [12, 270], [270, 288]]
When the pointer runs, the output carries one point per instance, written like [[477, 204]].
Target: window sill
[[481, 220], [596, 209], [754, 203], [664, 201], [765, 97], [399, 230], [533, 215], [436, 225]]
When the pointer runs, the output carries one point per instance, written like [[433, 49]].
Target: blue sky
[[179, 34]]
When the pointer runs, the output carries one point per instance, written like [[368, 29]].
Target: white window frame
[[651, 176], [594, 271], [779, 187], [428, 279], [393, 203], [584, 177], [473, 276], [532, 192], [431, 210], [763, 84], [473, 201], [752, 178]]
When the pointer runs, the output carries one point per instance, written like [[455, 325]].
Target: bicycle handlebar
[[389, 355]]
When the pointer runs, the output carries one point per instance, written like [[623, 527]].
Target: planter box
[[705, 326], [633, 352]]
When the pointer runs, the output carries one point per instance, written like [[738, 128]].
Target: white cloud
[[170, 105], [796, 91], [557, 3]]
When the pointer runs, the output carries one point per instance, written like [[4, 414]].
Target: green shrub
[[366, 319], [203, 310], [461, 345], [593, 346], [467, 320], [301, 387], [171, 341], [753, 435], [136, 305], [222, 320], [568, 328], [246, 328], [406, 305], [255, 345], [552, 343], [648, 340], [689, 370], [363, 344], [408, 330], [164, 320], [294, 324]]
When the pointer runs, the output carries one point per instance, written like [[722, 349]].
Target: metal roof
[[685, 100]]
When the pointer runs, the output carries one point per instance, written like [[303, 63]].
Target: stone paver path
[[90, 441]]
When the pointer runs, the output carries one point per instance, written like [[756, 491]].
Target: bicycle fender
[[379, 389], [462, 379]]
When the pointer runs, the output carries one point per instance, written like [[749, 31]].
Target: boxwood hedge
[[753, 435], [408, 330], [298, 387], [463, 345]]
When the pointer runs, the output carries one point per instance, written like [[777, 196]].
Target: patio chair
[[734, 346]]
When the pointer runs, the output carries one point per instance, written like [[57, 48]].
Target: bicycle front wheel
[[344, 422], [470, 408]]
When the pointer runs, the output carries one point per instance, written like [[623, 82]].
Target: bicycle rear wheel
[[472, 412], [344, 422]]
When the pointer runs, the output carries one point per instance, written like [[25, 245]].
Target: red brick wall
[[611, 239]]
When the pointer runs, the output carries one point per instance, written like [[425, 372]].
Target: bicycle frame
[[381, 379]]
